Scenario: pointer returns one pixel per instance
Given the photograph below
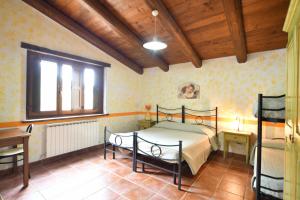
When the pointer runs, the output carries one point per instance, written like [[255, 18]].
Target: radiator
[[67, 137]]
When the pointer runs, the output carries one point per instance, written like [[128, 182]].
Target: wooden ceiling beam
[[123, 30], [234, 17], [76, 28], [173, 28]]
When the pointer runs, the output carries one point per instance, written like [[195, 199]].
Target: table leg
[[15, 161], [25, 162], [247, 151], [225, 149]]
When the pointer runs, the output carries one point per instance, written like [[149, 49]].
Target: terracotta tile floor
[[89, 176]]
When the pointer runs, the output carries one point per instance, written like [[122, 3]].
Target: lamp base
[[147, 116]]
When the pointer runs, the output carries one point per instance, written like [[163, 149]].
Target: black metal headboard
[[168, 114], [201, 117], [196, 117]]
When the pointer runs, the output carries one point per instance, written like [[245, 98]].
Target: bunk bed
[[171, 142], [269, 153]]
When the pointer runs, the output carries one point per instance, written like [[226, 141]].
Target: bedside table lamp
[[237, 123], [148, 115]]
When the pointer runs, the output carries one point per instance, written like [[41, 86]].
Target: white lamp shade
[[155, 45]]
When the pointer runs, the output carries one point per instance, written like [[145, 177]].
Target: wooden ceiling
[[194, 30]]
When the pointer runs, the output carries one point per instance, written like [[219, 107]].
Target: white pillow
[[273, 143], [178, 126], [186, 127]]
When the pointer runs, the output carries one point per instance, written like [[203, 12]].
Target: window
[[58, 86]]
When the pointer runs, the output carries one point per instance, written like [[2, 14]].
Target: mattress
[[272, 164], [197, 143]]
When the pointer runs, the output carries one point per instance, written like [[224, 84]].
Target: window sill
[[65, 117]]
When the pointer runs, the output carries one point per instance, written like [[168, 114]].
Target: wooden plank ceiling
[[194, 30]]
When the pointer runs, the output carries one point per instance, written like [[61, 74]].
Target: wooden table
[[241, 137], [13, 137]]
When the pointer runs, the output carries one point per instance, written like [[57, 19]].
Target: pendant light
[[155, 44]]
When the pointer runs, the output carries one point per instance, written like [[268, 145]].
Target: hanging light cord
[[154, 28]]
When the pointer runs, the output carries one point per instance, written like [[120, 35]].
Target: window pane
[[76, 90], [66, 93], [89, 79], [48, 86]]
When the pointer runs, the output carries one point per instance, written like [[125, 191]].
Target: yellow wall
[[223, 82], [231, 86], [19, 22]]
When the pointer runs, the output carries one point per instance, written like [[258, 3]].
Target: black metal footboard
[[118, 142], [156, 152]]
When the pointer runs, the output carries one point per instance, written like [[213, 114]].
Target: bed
[[269, 154], [271, 169], [181, 134]]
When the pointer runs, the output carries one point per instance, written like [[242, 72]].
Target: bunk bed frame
[[261, 119]]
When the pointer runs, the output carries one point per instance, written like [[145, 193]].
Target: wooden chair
[[14, 152]]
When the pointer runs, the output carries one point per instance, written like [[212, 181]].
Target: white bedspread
[[196, 146], [271, 164]]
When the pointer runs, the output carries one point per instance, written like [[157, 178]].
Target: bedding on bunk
[[276, 143], [272, 103], [271, 165], [197, 142]]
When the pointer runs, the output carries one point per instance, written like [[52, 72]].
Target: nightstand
[[143, 124], [241, 137]]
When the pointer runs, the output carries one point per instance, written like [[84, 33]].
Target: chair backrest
[[29, 128]]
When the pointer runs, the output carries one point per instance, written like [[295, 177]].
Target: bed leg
[[104, 153], [143, 167], [114, 153], [174, 174], [133, 160], [134, 152], [179, 165], [134, 164], [179, 177]]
